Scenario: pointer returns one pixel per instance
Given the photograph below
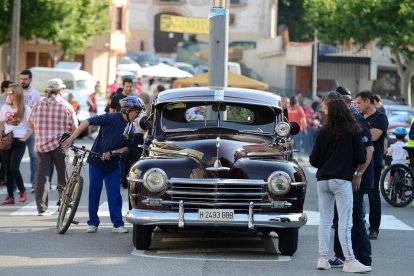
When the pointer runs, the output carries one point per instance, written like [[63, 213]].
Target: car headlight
[[278, 183], [282, 129], [155, 180]]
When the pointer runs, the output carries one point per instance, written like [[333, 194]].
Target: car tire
[[141, 236], [288, 240]]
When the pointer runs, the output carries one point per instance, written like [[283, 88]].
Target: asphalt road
[[30, 245]]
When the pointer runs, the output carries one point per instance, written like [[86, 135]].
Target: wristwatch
[[113, 152], [358, 174]]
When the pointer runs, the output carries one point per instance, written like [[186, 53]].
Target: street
[[30, 244]]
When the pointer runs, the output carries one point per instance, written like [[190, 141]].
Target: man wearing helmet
[[113, 140]]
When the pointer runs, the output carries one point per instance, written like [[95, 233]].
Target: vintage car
[[220, 159]]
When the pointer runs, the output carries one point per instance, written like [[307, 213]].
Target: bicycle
[[396, 184], [72, 191]]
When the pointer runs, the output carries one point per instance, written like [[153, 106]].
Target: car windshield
[[400, 116], [178, 117]]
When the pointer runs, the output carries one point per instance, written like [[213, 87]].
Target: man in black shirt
[[378, 124], [127, 85]]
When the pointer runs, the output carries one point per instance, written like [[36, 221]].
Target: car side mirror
[[294, 128], [145, 122]]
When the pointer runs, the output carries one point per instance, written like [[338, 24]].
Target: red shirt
[[297, 115], [50, 118]]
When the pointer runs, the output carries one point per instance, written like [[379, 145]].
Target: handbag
[[6, 141]]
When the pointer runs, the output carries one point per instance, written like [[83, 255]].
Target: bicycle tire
[[398, 195], [69, 205]]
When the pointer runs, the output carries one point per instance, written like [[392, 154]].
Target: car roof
[[231, 94], [389, 107]]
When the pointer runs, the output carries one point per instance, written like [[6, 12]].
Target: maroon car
[[218, 158]]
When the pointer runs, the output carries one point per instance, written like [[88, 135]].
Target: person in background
[[363, 181], [113, 140], [138, 86], [92, 103], [31, 97], [4, 88], [127, 85], [339, 139], [378, 124], [13, 118], [112, 88], [157, 90], [378, 104], [296, 114], [397, 152], [74, 103], [51, 117], [308, 139]]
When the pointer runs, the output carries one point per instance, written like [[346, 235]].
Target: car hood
[[228, 150]]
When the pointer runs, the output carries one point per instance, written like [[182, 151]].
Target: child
[[397, 151]]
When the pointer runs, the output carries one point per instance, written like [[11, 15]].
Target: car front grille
[[217, 193]]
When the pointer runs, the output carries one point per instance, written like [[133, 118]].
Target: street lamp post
[[15, 40]]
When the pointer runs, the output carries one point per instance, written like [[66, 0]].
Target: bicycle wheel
[[397, 190], [70, 200]]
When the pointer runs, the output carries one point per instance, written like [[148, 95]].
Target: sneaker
[[373, 234], [119, 229], [323, 264], [44, 213], [32, 189], [336, 262], [355, 266], [23, 197], [92, 229], [8, 200]]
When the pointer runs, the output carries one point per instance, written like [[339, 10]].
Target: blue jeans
[[330, 191], [96, 178], [360, 240], [30, 143], [375, 201]]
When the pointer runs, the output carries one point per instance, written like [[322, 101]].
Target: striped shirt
[[50, 118]]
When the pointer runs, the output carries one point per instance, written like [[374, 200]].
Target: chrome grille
[[217, 193]]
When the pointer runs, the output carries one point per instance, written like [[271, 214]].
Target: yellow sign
[[182, 24]]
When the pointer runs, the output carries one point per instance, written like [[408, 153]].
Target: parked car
[[185, 67], [398, 116], [127, 64], [200, 69], [144, 59], [220, 159]]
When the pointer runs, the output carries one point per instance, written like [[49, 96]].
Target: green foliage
[[292, 14], [68, 24]]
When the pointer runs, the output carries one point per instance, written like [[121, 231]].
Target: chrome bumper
[[181, 219]]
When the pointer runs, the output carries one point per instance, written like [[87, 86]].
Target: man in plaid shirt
[[51, 117]]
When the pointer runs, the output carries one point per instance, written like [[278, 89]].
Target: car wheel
[[288, 240], [142, 235]]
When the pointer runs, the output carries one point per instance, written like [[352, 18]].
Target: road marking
[[104, 209], [201, 239], [141, 253], [388, 222], [31, 209]]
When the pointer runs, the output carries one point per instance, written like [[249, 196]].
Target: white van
[[76, 81]]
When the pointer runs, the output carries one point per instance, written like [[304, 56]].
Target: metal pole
[[315, 66], [108, 66], [15, 40], [218, 45]]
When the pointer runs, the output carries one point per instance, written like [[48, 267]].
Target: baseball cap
[[55, 84], [344, 92]]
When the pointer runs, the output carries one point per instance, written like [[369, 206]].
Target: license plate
[[216, 215]]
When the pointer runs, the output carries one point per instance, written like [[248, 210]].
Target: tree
[[68, 24], [390, 23], [292, 14]]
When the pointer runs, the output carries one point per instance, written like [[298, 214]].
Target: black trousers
[[12, 159]]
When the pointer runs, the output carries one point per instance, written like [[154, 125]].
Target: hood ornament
[[217, 163]]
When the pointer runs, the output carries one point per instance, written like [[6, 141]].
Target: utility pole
[[315, 66], [15, 40]]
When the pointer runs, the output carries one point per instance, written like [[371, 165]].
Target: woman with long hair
[[337, 152], [13, 118]]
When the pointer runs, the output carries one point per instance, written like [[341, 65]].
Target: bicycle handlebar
[[85, 150]]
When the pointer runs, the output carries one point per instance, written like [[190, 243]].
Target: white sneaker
[[323, 264], [92, 229], [355, 266], [119, 229]]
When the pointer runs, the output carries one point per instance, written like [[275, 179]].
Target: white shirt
[[399, 155], [8, 114], [31, 96]]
